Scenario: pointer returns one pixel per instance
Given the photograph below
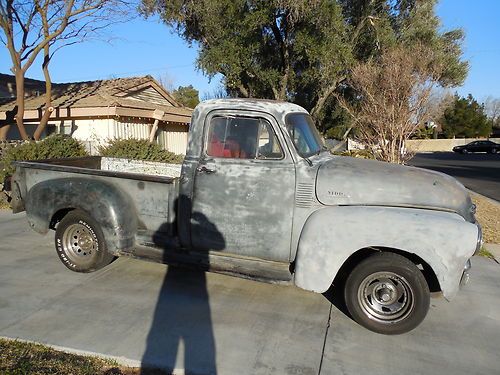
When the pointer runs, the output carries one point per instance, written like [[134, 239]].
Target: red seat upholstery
[[216, 148], [230, 149]]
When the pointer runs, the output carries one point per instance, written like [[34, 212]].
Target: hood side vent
[[305, 195]]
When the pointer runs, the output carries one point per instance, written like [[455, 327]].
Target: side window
[[242, 138], [269, 147]]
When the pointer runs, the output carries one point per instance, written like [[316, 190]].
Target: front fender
[[330, 235], [111, 207]]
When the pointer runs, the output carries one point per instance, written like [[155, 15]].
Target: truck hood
[[351, 181]]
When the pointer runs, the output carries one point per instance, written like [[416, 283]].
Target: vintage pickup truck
[[259, 196]]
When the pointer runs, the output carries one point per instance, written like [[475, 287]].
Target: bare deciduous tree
[[392, 99], [33, 26], [219, 92], [166, 81], [492, 108], [439, 100]]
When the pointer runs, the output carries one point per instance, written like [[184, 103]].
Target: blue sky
[[143, 47], [481, 21]]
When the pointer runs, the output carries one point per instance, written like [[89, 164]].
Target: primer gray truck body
[[294, 219]]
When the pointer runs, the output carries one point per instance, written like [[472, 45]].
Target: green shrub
[[55, 146], [139, 149], [363, 154]]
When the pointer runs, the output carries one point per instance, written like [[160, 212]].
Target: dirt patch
[[488, 215]]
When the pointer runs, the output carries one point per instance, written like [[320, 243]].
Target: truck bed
[[152, 189], [112, 167]]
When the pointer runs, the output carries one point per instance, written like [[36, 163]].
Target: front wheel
[[387, 293], [80, 243]]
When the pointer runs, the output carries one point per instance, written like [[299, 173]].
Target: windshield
[[304, 134]]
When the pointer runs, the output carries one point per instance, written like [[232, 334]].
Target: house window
[[50, 129], [242, 138], [66, 127]]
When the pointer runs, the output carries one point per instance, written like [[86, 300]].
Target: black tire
[[387, 294], [465, 151], [80, 243]]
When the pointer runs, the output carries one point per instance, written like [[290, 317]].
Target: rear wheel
[[387, 293], [80, 243]]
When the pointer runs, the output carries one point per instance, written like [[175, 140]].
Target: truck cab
[[241, 172]]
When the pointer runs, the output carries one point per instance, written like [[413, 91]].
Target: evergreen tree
[[187, 96], [466, 118]]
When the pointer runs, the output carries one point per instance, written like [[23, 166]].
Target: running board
[[243, 267]]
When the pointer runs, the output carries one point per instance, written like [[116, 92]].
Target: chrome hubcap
[[79, 242], [386, 297]]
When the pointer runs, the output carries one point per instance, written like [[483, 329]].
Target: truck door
[[244, 188]]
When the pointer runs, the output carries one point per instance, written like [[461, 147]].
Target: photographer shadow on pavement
[[181, 334]]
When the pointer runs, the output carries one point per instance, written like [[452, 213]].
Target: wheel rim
[[79, 243], [386, 297]]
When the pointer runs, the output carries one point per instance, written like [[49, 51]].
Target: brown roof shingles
[[93, 94]]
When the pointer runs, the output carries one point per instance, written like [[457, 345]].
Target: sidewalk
[[494, 249]]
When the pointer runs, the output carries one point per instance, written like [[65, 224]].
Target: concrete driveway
[[208, 323]]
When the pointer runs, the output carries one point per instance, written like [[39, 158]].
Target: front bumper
[[464, 280], [480, 241]]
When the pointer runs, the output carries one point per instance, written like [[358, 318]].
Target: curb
[[121, 361], [494, 249]]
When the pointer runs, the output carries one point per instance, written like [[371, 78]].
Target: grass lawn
[[20, 358]]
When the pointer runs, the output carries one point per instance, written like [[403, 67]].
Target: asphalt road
[[207, 323], [478, 172]]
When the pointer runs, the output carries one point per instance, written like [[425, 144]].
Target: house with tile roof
[[96, 111]]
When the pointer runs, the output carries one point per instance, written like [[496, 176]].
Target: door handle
[[204, 169]]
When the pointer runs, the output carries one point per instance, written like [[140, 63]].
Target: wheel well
[[58, 216], [364, 253]]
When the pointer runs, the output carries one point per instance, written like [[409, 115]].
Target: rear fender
[[110, 206], [331, 235]]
